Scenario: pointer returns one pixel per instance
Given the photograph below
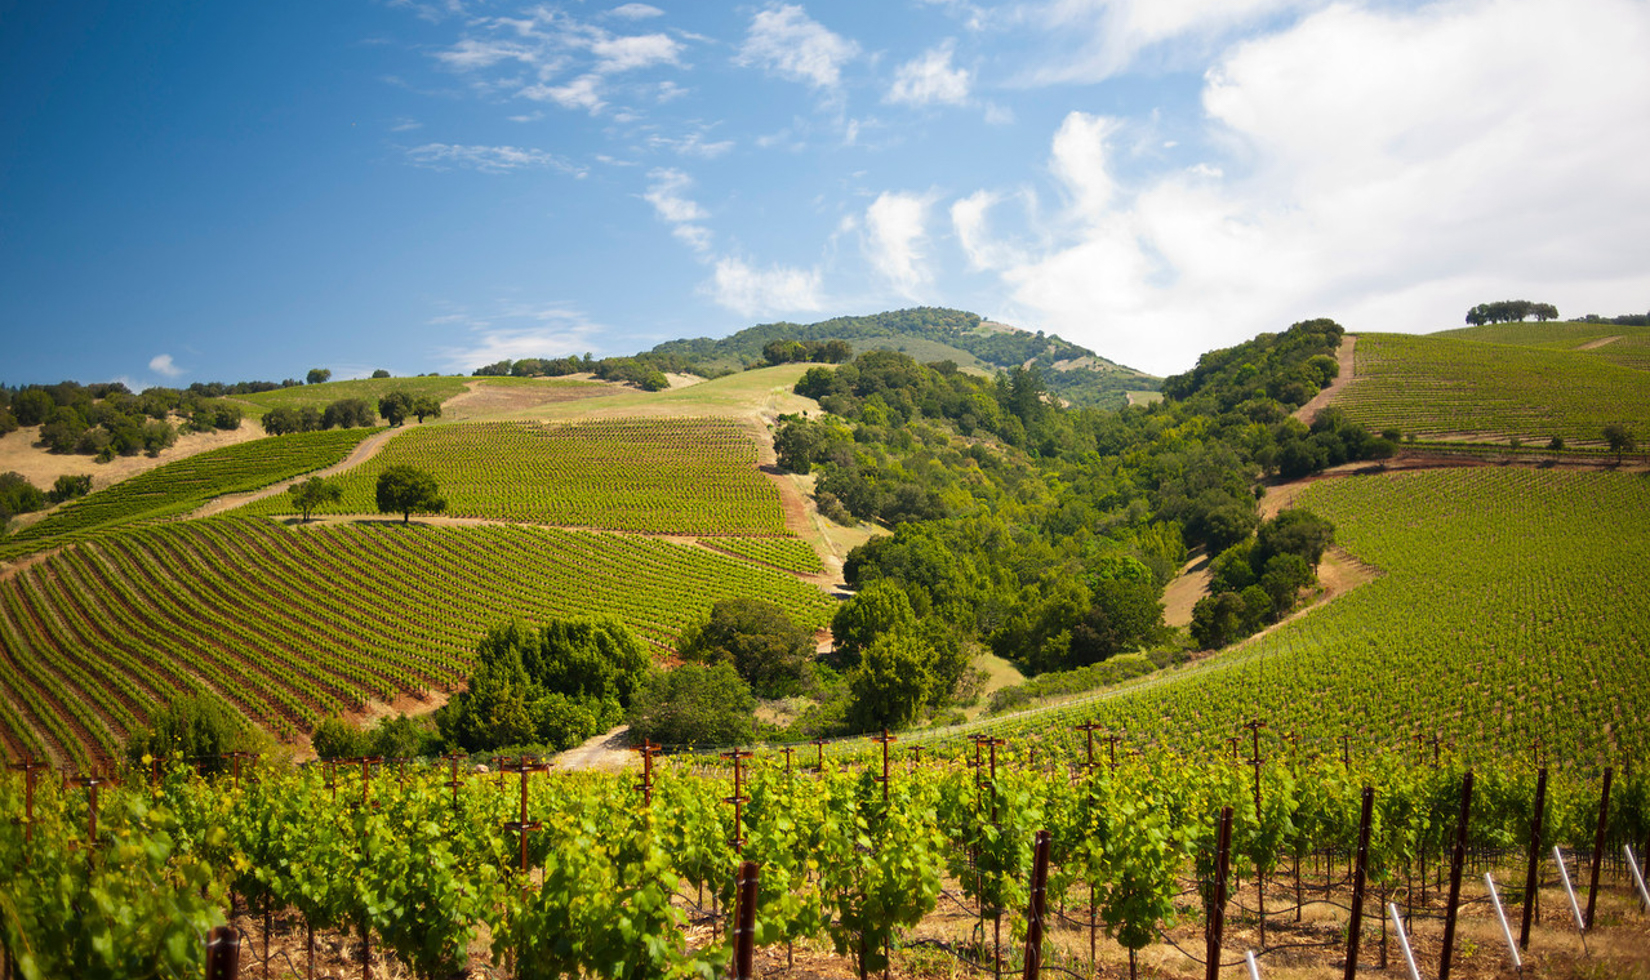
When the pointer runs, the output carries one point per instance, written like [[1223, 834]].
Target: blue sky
[[200, 191]]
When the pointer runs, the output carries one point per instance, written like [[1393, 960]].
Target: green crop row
[[1434, 387], [184, 485], [292, 624], [670, 476], [1511, 610], [790, 554]]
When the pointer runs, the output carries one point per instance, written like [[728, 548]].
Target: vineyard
[[786, 554], [180, 487], [290, 625], [1438, 388], [1617, 344], [320, 396], [678, 476], [1512, 609], [957, 862]]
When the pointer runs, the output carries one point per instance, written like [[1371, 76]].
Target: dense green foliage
[[687, 476], [555, 686], [1508, 609], [694, 704], [645, 371], [1511, 310], [181, 486], [294, 625], [106, 420], [1439, 387], [18, 496], [403, 490], [770, 651], [420, 868], [195, 727]]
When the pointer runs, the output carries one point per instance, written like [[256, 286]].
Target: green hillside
[[1075, 373], [1438, 387], [1510, 607], [291, 625], [681, 476], [1621, 345], [319, 396]]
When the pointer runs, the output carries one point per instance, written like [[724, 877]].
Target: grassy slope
[[1438, 387], [1512, 608], [653, 476], [321, 395]]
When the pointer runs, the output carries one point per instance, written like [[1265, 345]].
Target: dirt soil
[[1343, 357], [20, 452]]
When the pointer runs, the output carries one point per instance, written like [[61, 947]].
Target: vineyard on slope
[[179, 487], [790, 554], [291, 625], [1435, 388], [1512, 609], [671, 476], [320, 396]]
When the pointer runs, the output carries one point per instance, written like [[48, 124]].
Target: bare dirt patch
[[1180, 595], [483, 400], [1343, 357], [19, 453], [609, 751], [1596, 344]]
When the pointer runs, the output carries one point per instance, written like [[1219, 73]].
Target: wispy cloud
[[488, 159], [783, 39], [691, 145], [162, 365], [547, 55], [636, 11], [514, 331], [683, 214], [930, 79], [760, 292]]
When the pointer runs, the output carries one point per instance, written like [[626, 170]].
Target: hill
[[1455, 386], [1074, 373]]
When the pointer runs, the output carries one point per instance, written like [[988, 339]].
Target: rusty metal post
[[453, 782], [1530, 881], [1346, 751], [1255, 725], [223, 954], [788, 752], [1355, 926], [744, 931], [1088, 728], [738, 799], [885, 739], [648, 750], [1457, 858], [819, 760], [526, 767], [1598, 844], [31, 769], [1217, 910], [1039, 907], [91, 784]]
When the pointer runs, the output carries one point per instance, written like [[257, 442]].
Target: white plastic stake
[[1506, 930], [1403, 940], [1254, 968], [1638, 879], [1575, 907]]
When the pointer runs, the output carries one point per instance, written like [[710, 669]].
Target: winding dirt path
[[365, 450], [1344, 358]]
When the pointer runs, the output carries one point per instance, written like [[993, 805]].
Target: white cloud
[[930, 79], [637, 51], [759, 292], [785, 40], [666, 194], [471, 53], [1108, 35], [895, 234], [1388, 169], [691, 145], [162, 364], [514, 331], [487, 159], [636, 11], [583, 92], [969, 221]]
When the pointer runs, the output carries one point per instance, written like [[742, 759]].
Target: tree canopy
[[760, 640], [406, 489], [314, 492]]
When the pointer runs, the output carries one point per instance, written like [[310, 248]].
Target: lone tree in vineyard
[[314, 492], [404, 489], [1621, 441]]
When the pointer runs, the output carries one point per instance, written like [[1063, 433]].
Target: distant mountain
[[1074, 373]]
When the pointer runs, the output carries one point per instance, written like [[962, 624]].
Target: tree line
[[394, 407], [1509, 311], [645, 371]]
